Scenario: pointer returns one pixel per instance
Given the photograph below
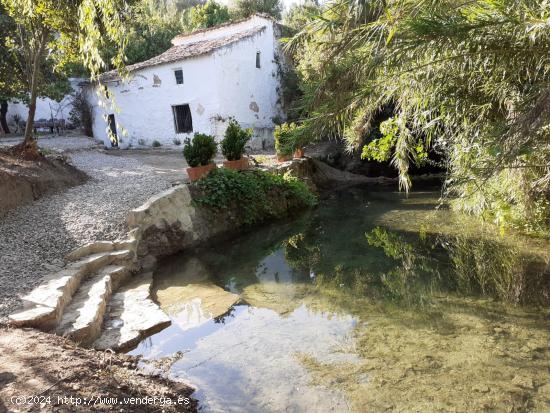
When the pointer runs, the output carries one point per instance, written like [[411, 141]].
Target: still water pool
[[372, 302]]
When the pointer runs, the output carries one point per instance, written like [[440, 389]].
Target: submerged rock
[[189, 298]]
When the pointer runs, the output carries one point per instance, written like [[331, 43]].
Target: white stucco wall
[[223, 84], [45, 107]]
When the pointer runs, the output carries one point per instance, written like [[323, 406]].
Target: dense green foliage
[[244, 8], [234, 142], [200, 150], [150, 30], [44, 36], [208, 14], [154, 23], [81, 115], [466, 79], [288, 138], [299, 14], [255, 195]]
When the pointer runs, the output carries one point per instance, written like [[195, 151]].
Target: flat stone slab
[[91, 248], [82, 319], [44, 305], [194, 304], [185, 293], [131, 316], [33, 317]]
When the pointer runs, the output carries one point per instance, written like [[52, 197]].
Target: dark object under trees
[[81, 114], [3, 113]]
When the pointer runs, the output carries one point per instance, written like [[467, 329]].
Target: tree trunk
[[3, 112], [29, 143]]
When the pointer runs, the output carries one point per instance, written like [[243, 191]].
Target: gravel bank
[[34, 238]]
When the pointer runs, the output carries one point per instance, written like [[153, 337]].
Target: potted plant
[[199, 153], [233, 146], [289, 142]]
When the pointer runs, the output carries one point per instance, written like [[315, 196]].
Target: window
[[182, 118], [258, 65], [178, 73]]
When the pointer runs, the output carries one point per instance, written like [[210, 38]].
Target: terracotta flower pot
[[283, 158], [197, 172], [299, 153], [238, 165]]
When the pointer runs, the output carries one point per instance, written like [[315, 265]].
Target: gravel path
[[35, 238]]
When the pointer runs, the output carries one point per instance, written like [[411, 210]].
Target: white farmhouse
[[207, 77]]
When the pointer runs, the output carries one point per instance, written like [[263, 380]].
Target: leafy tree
[[245, 8], [467, 79], [299, 15], [153, 25], [56, 32], [10, 78], [208, 14]]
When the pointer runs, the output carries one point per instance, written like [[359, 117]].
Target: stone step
[[131, 316], [43, 306], [99, 247], [82, 319]]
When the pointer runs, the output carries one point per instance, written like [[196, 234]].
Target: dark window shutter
[[179, 76]]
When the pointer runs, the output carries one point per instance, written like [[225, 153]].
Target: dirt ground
[[23, 181], [44, 372]]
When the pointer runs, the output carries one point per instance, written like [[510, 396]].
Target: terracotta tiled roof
[[186, 51]]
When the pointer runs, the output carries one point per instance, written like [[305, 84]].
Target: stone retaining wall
[[170, 222]]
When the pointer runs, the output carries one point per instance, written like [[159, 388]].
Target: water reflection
[[372, 302]]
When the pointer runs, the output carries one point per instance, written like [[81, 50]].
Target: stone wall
[[170, 222]]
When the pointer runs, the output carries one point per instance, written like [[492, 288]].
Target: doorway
[[113, 137]]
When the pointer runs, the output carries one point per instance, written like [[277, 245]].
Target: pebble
[[35, 237], [525, 382], [481, 388]]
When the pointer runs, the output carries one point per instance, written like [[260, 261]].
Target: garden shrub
[[255, 195], [235, 140], [200, 150], [156, 144], [288, 138]]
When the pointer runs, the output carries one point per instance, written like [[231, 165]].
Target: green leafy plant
[[176, 141], [234, 142], [381, 149], [481, 106], [288, 138], [200, 150], [156, 144], [255, 195]]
